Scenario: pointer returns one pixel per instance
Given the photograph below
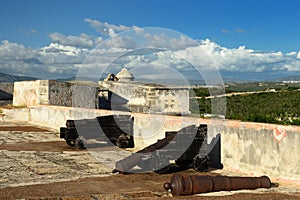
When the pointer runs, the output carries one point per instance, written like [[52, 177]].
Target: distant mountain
[[265, 76], [288, 78], [71, 79], [6, 78]]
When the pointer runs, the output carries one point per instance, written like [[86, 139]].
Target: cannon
[[186, 147], [114, 129], [189, 185]]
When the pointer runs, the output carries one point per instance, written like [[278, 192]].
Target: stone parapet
[[149, 97], [51, 92]]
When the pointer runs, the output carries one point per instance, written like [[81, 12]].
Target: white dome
[[125, 75]]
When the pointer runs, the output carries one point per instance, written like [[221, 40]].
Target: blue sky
[[262, 25]]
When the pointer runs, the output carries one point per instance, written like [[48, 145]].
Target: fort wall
[[51, 92], [149, 97]]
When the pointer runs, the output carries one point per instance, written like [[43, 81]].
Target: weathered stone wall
[[50, 92], [123, 89], [151, 98], [85, 96], [60, 93], [262, 148], [70, 94], [26, 93]]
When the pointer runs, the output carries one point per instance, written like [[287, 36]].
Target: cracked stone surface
[[34, 167], [19, 136], [30, 167]]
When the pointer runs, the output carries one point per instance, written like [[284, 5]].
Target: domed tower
[[125, 75]]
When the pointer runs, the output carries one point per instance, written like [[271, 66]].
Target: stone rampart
[[51, 92], [149, 97], [259, 148]]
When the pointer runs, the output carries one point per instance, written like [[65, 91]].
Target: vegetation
[[260, 86], [280, 107]]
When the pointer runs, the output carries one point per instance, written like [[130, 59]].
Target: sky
[[52, 39]]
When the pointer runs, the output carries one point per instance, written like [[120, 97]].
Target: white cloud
[[97, 40], [152, 37], [18, 51], [83, 40], [293, 53], [107, 29], [52, 61], [239, 59], [68, 53], [122, 42], [55, 48]]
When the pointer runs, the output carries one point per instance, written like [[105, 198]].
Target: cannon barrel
[[129, 162], [193, 184]]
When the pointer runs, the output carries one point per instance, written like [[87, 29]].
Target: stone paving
[[34, 167], [7, 137], [29, 167]]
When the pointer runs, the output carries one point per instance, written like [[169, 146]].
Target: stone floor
[[32, 156]]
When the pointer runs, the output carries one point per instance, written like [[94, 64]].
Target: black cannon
[[187, 147], [115, 129]]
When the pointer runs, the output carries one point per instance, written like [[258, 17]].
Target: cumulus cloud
[[53, 61], [107, 29], [83, 40], [90, 54], [208, 55], [242, 59], [121, 36]]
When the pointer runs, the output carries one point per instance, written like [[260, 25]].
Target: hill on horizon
[[227, 78], [289, 78], [7, 78]]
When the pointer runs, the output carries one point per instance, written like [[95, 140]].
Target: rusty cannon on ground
[[189, 185]]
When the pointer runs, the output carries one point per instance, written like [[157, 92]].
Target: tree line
[[281, 107]]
